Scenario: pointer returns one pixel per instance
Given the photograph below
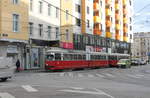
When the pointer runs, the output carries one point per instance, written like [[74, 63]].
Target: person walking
[[18, 66]]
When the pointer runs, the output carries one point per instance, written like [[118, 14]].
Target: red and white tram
[[57, 59]]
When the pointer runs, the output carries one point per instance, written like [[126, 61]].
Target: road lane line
[[104, 93], [29, 88], [97, 92], [81, 92], [6, 95]]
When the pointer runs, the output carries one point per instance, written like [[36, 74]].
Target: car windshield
[[122, 61]]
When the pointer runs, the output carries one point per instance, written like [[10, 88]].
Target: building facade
[[44, 30], [76, 18], [14, 29], [141, 45]]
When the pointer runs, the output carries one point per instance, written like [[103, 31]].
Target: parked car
[[124, 63], [135, 62], [142, 62], [7, 68]]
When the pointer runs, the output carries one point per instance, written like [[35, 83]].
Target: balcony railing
[[96, 6], [108, 12], [97, 32], [97, 19]]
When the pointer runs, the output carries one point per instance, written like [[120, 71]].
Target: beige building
[[13, 28], [141, 45]]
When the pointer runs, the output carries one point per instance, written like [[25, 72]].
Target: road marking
[[29, 88], [139, 75], [70, 74], [99, 75], [97, 92], [91, 76], [62, 74], [110, 75], [104, 93], [6, 95], [77, 88], [80, 75], [134, 76]]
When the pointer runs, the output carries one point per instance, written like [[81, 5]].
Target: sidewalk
[[31, 71]]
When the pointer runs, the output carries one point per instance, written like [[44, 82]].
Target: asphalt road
[[94, 83]]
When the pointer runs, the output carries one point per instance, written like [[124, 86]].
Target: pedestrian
[[18, 66]]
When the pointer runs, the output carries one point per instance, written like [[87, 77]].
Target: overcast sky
[[141, 18]]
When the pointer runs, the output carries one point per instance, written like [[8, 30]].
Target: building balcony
[[125, 11], [108, 12], [125, 29], [117, 6], [96, 6], [117, 17], [108, 1], [97, 19], [125, 38], [118, 27], [96, 1], [97, 32], [117, 37], [124, 2], [125, 20], [108, 23], [108, 34]]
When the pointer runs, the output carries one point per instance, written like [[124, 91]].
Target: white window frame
[[14, 22]]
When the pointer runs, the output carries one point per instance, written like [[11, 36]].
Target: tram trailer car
[[58, 60]]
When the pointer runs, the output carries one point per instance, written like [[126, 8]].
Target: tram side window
[[57, 56], [50, 57]]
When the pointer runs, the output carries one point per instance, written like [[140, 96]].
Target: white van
[[7, 68]]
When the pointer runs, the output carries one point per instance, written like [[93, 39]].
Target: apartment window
[[101, 3], [56, 12], [15, 22], [31, 5], [130, 28], [49, 31], [40, 29], [40, 7], [30, 28], [88, 10], [15, 1], [88, 23], [67, 15], [49, 9], [57, 32], [78, 22], [67, 34], [130, 2], [78, 9]]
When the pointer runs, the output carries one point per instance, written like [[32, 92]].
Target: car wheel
[[4, 79]]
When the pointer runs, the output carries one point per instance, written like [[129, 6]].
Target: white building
[[44, 25], [141, 45]]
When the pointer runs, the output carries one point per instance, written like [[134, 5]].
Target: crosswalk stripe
[[80, 75], [91, 76], [99, 75], [29, 88], [70, 74], [6, 95], [133, 76], [62, 74], [110, 75]]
